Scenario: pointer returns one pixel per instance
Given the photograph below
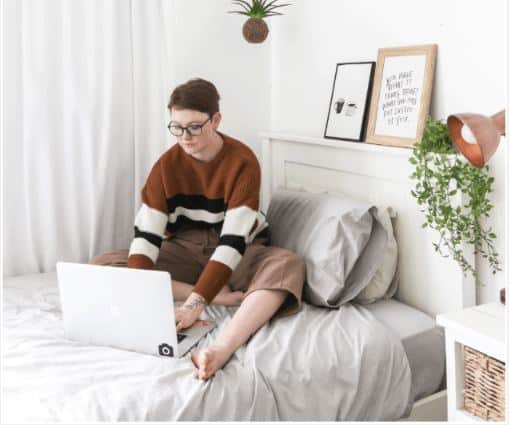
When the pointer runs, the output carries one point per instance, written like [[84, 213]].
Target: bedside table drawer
[[484, 388]]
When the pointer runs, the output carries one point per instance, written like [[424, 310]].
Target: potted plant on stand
[[440, 175], [255, 29]]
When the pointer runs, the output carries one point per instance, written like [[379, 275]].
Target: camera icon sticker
[[166, 350]]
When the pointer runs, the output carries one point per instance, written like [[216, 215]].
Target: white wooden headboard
[[379, 174]]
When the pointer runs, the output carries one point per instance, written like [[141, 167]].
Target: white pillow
[[385, 281], [342, 241]]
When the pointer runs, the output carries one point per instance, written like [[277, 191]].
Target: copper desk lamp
[[477, 137]]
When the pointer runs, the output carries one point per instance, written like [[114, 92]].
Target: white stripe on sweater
[[151, 220], [197, 215], [144, 247], [227, 255], [239, 221]]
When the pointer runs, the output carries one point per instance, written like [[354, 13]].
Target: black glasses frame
[[182, 129]]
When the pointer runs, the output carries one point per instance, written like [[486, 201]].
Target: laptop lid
[[119, 307]]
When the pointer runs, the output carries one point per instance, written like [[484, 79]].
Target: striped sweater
[[181, 190]]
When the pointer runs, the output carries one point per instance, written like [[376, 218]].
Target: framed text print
[[349, 102], [401, 95]]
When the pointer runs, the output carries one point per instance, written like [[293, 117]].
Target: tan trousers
[[186, 253]]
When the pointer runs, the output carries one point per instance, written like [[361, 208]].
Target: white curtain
[[94, 81]]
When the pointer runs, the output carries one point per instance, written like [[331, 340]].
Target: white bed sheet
[[320, 364]]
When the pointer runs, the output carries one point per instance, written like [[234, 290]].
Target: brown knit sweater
[[181, 190]]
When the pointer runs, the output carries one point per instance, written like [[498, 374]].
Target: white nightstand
[[482, 328]]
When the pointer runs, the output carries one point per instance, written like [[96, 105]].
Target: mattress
[[422, 340]]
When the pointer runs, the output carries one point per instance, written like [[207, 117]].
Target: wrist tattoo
[[191, 305]]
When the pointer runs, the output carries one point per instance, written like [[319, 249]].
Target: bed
[[383, 361], [47, 378]]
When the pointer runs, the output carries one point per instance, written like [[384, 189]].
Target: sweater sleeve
[[150, 222], [242, 221]]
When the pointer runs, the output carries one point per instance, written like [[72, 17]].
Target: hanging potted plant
[[440, 175], [255, 29]]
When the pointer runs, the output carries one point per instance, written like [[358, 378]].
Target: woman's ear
[[216, 119]]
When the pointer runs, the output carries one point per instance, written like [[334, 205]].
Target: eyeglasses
[[192, 130]]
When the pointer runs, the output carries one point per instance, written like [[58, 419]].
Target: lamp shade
[[485, 135]]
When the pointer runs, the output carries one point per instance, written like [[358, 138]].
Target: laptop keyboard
[[181, 337]]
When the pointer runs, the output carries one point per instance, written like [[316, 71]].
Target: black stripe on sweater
[[195, 202], [150, 237], [182, 220], [234, 241]]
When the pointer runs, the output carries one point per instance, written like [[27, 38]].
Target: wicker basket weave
[[484, 385]]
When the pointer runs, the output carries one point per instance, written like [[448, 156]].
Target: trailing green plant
[[258, 9], [442, 179]]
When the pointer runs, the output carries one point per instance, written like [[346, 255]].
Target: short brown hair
[[197, 94]]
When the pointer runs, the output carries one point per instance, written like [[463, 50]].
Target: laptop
[[125, 308]]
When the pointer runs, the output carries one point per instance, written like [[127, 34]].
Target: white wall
[[314, 35], [209, 44]]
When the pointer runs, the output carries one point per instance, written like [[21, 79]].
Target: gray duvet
[[320, 364]]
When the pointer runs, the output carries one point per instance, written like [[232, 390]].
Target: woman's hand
[[186, 315]]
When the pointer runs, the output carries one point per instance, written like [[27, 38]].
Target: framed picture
[[401, 95], [349, 102]]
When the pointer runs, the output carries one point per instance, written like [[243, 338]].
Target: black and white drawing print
[[350, 98]]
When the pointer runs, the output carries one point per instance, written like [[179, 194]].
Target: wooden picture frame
[[401, 95], [349, 102]]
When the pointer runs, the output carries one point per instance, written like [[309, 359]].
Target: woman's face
[[195, 144]]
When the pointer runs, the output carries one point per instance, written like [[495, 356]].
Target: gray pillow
[[340, 239]]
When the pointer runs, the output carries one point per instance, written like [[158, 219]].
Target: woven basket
[[484, 385]]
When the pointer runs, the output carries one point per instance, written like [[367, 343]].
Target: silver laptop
[[131, 309]]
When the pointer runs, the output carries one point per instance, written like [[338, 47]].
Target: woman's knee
[[294, 261]]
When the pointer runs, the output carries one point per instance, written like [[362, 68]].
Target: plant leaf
[[247, 7], [240, 13], [271, 3], [269, 9]]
